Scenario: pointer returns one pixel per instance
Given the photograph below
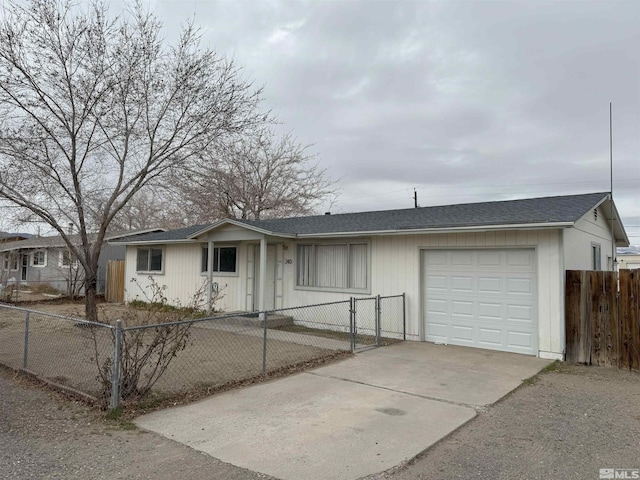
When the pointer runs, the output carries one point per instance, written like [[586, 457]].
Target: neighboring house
[[6, 237], [488, 275], [47, 261], [628, 261]]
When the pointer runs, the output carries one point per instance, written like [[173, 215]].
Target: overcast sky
[[465, 100]]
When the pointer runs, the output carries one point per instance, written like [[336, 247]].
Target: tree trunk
[[90, 303]]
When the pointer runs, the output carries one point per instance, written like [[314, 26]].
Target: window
[[149, 260], [39, 258], [341, 266], [9, 261], [596, 259], [64, 259], [224, 259]]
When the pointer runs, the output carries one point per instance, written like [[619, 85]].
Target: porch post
[[263, 276], [209, 276]]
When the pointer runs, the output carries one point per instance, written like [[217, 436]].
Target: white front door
[[270, 286], [481, 298]]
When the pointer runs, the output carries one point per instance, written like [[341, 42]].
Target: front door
[[270, 286], [24, 266]]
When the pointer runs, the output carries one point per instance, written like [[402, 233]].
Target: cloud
[[510, 98]]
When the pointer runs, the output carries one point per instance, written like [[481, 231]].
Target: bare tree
[[257, 176], [94, 108], [149, 208]]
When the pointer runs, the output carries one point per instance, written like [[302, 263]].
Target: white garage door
[[481, 298]]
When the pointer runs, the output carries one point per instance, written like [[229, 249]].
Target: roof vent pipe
[[327, 213]]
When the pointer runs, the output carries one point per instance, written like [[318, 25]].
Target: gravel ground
[[45, 436], [568, 424]]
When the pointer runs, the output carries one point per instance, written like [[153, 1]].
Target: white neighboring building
[[628, 261]]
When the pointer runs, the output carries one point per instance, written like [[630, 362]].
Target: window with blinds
[[337, 266]]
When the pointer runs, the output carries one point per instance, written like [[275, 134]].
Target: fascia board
[[526, 226]]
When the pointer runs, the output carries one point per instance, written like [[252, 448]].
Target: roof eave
[[418, 231], [151, 242], [620, 236], [230, 221]]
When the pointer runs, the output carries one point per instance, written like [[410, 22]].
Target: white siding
[[395, 268], [181, 276], [578, 241]]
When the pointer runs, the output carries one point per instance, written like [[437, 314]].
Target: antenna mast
[[613, 236]]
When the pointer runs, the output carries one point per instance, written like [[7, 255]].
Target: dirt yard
[[215, 353]]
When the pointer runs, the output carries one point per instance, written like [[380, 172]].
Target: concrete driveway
[[360, 416]]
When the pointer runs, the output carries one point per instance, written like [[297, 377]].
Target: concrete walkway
[[350, 419]]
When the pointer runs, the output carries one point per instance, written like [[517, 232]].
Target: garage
[[483, 298]]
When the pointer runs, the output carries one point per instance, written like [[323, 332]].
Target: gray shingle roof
[[55, 241], [558, 209], [169, 235], [511, 212]]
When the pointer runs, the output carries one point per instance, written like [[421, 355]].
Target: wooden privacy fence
[[602, 318], [114, 291]]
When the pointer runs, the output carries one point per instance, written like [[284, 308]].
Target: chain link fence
[[59, 348], [196, 354]]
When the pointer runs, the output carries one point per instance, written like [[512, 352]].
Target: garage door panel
[[437, 282], [438, 258], [438, 332], [462, 333], [490, 311], [482, 298], [462, 284], [520, 312], [436, 306], [518, 286], [460, 308], [462, 258], [490, 336], [519, 340], [489, 259], [520, 258], [490, 285]]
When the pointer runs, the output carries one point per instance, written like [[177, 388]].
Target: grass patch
[[116, 418], [166, 308], [552, 367]]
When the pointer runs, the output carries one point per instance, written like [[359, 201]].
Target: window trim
[[33, 258], [150, 248], [9, 260], [215, 273], [72, 263], [334, 241], [596, 256]]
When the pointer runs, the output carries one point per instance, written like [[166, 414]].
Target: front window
[[224, 259], [39, 258], [341, 266], [149, 260]]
